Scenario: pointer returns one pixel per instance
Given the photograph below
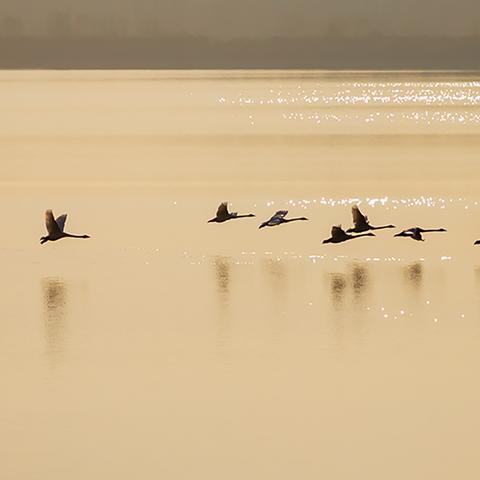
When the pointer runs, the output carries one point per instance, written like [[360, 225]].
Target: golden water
[[167, 347]]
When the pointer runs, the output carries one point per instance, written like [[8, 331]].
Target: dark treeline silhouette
[[182, 52]]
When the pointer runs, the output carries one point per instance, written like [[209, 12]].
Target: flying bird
[[339, 235], [360, 222], [279, 218], [415, 233], [223, 214], [55, 228], [477, 242]]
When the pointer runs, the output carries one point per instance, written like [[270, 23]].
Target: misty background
[[224, 33]]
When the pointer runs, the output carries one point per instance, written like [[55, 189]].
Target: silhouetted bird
[[55, 228], [361, 224], [415, 233], [279, 218], [339, 235], [223, 214], [477, 242]]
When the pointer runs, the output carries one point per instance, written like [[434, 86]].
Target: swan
[[223, 214], [279, 218], [339, 235], [361, 224], [415, 233], [55, 228]]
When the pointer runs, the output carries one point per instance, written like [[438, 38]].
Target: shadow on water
[[55, 304], [222, 270]]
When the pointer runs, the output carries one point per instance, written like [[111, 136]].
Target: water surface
[[168, 347]]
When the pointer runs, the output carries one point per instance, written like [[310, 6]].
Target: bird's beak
[[212, 220]]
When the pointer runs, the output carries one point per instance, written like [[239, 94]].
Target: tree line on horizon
[[63, 24], [195, 52]]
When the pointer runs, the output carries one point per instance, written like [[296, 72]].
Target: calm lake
[[168, 347]]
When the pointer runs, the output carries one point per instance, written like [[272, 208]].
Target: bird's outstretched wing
[[52, 227], [280, 214], [278, 217], [222, 211], [61, 221], [337, 230], [359, 220], [410, 232]]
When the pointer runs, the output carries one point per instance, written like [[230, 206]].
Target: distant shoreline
[[191, 53]]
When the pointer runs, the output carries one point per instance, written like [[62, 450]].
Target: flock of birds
[[56, 226], [338, 235]]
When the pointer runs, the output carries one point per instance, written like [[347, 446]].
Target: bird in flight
[[55, 228], [360, 222], [223, 214], [279, 218], [338, 235], [415, 233]]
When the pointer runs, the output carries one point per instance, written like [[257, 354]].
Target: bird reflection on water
[[348, 294], [414, 274], [222, 268], [54, 303], [338, 285], [222, 276], [276, 273], [356, 279], [360, 281]]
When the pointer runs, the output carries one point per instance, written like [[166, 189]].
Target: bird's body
[[223, 214], [477, 242], [55, 228], [339, 235], [415, 233], [279, 218], [361, 224]]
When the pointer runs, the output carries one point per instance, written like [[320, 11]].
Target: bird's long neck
[[382, 227], [244, 216], [75, 236], [361, 235], [433, 230], [293, 219]]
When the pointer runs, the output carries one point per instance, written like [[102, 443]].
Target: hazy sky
[[251, 18]]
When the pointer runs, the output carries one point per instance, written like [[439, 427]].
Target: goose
[[415, 233], [279, 218], [339, 235], [361, 224], [55, 228], [223, 214]]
